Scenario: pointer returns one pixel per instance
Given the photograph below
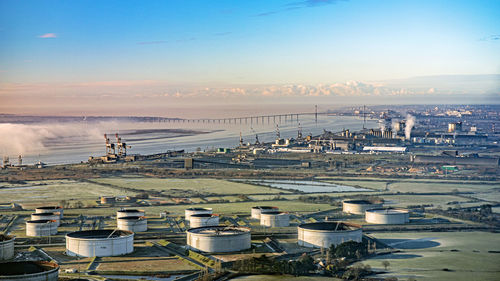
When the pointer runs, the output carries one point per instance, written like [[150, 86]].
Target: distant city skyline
[[79, 56]]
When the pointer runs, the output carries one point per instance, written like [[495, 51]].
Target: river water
[[75, 142]]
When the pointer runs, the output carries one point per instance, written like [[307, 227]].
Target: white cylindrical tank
[[257, 210], [6, 247], [359, 207], [99, 243], [387, 216], [196, 211], [50, 209], [199, 220], [40, 228], [134, 224], [47, 216], [219, 239], [130, 213], [325, 234], [275, 219], [29, 271]]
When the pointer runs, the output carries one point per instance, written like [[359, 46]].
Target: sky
[[72, 57]]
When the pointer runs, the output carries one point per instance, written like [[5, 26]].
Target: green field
[[199, 185], [441, 256]]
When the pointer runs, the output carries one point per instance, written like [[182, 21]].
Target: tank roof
[[264, 207], [199, 209], [362, 201], [49, 207], [329, 226], [132, 218], [388, 211], [204, 215], [130, 211], [4, 237], [274, 213], [99, 234], [44, 214], [25, 267], [40, 221], [219, 230]]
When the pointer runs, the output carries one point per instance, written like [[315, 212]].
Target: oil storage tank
[[358, 207], [219, 239], [50, 209], [387, 216], [6, 247], [130, 213], [275, 219], [41, 228], [99, 243], [325, 234], [257, 210], [199, 220], [134, 224], [29, 271], [47, 216], [196, 211]]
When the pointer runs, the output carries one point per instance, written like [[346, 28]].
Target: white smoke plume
[[32, 139], [381, 124], [410, 122], [394, 123]]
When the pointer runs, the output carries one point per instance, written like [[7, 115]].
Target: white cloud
[[48, 35]]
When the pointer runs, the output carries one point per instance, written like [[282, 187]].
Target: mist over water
[[73, 142]]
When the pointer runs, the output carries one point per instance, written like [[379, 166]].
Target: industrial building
[[108, 200], [447, 160], [41, 228], [257, 210], [397, 149], [275, 219], [200, 220], [130, 213], [358, 207], [47, 216], [50, 209], [325, 234], [99, 243], [387, 216], [29, 271], [6, 247], [219, 239], [133, 223], [196, 211]]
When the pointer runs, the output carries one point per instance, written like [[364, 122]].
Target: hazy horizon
[[148, 57]]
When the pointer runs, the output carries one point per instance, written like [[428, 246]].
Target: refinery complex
[[349, 204]]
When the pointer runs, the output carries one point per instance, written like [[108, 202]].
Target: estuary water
[[73, 142]]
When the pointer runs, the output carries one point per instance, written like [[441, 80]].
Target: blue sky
[[182, 44]]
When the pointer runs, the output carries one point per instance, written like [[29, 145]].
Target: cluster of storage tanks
[[375, 213], [45, 221], [270, 216], [131, 220]]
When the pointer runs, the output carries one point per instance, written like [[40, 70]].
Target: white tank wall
[[256, 212], [188, 213], [275, 220], [203, 221], [391, 217], [326, 238], [46, 216], [358, 209], [41, 229], [138, 213], [134, 225], [100, 247], [7, 248], [219, 243], [54, 210], [49, 275]]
